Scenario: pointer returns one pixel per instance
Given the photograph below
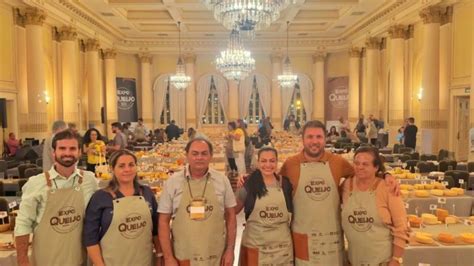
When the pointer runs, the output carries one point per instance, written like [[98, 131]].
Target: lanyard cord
[[189, 185]]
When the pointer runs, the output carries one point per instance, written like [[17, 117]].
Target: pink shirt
[[13, 145]]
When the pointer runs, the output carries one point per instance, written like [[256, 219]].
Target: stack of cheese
[[414, 221], [429, 218], [424, 238]]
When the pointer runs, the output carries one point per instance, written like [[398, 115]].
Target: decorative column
[[396, 92], [430, 80], [233, 100], [191, 119], [354, 81], [93, 86], [373, 59], [147, 95], [110, 89], [21, 75], [319, 95], [363, 83], [471, 99], [67, 36], [408, 92], [445, 51], [37, 115], [276, 114], [382, 101]]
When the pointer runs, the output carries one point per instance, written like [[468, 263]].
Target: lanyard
[[189, 186]]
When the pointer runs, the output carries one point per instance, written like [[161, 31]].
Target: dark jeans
[[232, 164]]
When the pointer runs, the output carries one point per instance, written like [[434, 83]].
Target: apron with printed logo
[[316, 227], [199, 241], [57, 240], [129, 239], [370, 240], [266, 239]]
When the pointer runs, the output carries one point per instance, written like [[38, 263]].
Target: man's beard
[[313, 154], [68, 163]]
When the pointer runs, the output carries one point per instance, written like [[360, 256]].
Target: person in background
[[372, 132], [410, 133], [382, 237], [121, 222], [238, 147], [94, 147], [333, 135], [291, 124], [400, 135], [127, 132], [13, 144], [48, 159], [201, 203], [248, 144], [266, 239], [140, 131], [191, 133], [229, 151], [360, 128], [172, 131], [52, 208], [343, 126], [120, 140]]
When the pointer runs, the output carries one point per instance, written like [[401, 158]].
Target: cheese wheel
[[471, 218], [446, 237], [422, 193], [414, 221], [406, 187], [451, 219], [468, 237], [437, 192], [441, 214], [459, 191], [405, 193], [429, 186], [449, 193], [423, 238], [429, 218], [438, 185], [419, 186]]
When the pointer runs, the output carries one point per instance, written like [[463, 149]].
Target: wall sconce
[[420, 94]]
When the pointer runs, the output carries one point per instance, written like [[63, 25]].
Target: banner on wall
[[337, 100], [127, 100]]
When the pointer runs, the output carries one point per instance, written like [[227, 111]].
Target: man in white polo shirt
[[201, 203]]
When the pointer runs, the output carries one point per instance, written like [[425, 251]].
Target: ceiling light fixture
[[179, 80], [287, 79], [235, 63]]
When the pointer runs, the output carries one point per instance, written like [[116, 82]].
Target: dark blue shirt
[[99, 213]]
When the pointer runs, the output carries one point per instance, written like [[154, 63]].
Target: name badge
[[197, 209]]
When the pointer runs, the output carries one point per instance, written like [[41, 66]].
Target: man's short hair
[[140, 119], [117, 125], [66, 134], [314, 124], [411, 120], [172, 122], [58, 125], [209, 144], [71, 125]]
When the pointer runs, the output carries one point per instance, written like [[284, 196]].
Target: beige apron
[[316, 227], [57, 240], [370, 240], [266, 239], [129, 239], [199, 242]]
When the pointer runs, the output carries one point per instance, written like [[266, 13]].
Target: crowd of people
[[293, 216]]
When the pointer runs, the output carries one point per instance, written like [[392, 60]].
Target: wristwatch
[[398, 259], [159, 254]]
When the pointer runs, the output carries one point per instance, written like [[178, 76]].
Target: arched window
[[165, 117], [214, 113], [296, 107], [255, 112]]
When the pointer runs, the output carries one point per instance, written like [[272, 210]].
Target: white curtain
[[178, 106], [223, 93], [159, 92], [245, 91], [306, 90], [286, 95], [264, 90], [203, 88]]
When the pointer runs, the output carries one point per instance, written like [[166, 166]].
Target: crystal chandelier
[[287, 79], [247, 15], [235, 62], [179, 80]]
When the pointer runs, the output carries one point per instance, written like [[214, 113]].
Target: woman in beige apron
[[266, 239], [370, 239], [125, 238]]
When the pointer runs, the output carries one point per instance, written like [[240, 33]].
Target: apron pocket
[[184, 262], [248, 256], [300, 242]]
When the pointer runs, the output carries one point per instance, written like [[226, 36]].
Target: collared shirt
[[35, 193], [340, 168], [173, 191]]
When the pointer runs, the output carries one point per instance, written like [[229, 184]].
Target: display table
[[462, 208], [441, 254]]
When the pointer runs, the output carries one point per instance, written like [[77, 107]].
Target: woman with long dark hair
[[94, 147], [267, 200], [120, 226]]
